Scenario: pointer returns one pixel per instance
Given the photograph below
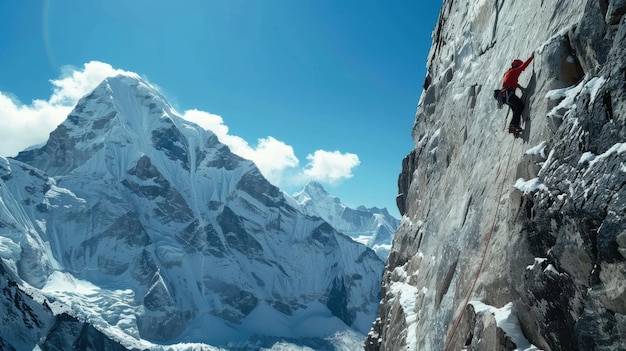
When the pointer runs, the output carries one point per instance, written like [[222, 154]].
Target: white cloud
[[215, 123], [25, 125], [277, 160], [75, 84], [330, 167], [273, 157]]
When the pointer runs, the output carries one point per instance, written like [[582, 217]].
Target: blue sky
[[323, 89]]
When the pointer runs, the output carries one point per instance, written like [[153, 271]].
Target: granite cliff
[[514, 243]]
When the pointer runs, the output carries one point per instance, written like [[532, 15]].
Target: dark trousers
[[517, 106]]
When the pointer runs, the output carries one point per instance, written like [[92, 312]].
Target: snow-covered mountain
[[371, 226], [142, 225], [514, 243]]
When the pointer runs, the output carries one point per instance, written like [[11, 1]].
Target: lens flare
[[45, 33]]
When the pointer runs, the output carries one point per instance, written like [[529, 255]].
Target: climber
[[509, 86]]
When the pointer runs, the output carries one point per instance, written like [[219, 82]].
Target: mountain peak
[[122, 111], [315, 189], [129, 92], [120, 85], [128, 78]]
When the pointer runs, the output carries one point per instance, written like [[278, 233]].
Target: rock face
[[148, 228], [373, 227], [537, 221], [27, 323]]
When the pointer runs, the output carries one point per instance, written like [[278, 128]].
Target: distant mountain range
[[370, 226]]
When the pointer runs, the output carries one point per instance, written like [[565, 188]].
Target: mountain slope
[[150, 228], [27, 323], [531, 227], [370, 226]]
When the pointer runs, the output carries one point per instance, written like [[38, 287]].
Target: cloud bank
[[277, 160], [330, 167], [24, 125]]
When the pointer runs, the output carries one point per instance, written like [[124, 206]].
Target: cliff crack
[[495, 22], [608, 104], [467, 208], [443, 289]]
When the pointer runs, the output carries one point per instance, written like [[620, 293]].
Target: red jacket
[[512, 75]]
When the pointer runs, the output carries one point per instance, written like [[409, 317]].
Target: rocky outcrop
[[39, 327], [534, 223]]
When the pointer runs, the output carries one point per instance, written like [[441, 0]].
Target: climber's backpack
[[499, 96]]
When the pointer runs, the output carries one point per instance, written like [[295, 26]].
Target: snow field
[[110, 311], [405, 294]]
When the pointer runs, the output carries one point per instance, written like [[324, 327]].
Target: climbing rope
[[484, 254]]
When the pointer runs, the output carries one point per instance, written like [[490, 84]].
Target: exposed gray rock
[[615, 11], [485, 219]]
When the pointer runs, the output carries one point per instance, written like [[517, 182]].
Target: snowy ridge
[[148, 228]]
